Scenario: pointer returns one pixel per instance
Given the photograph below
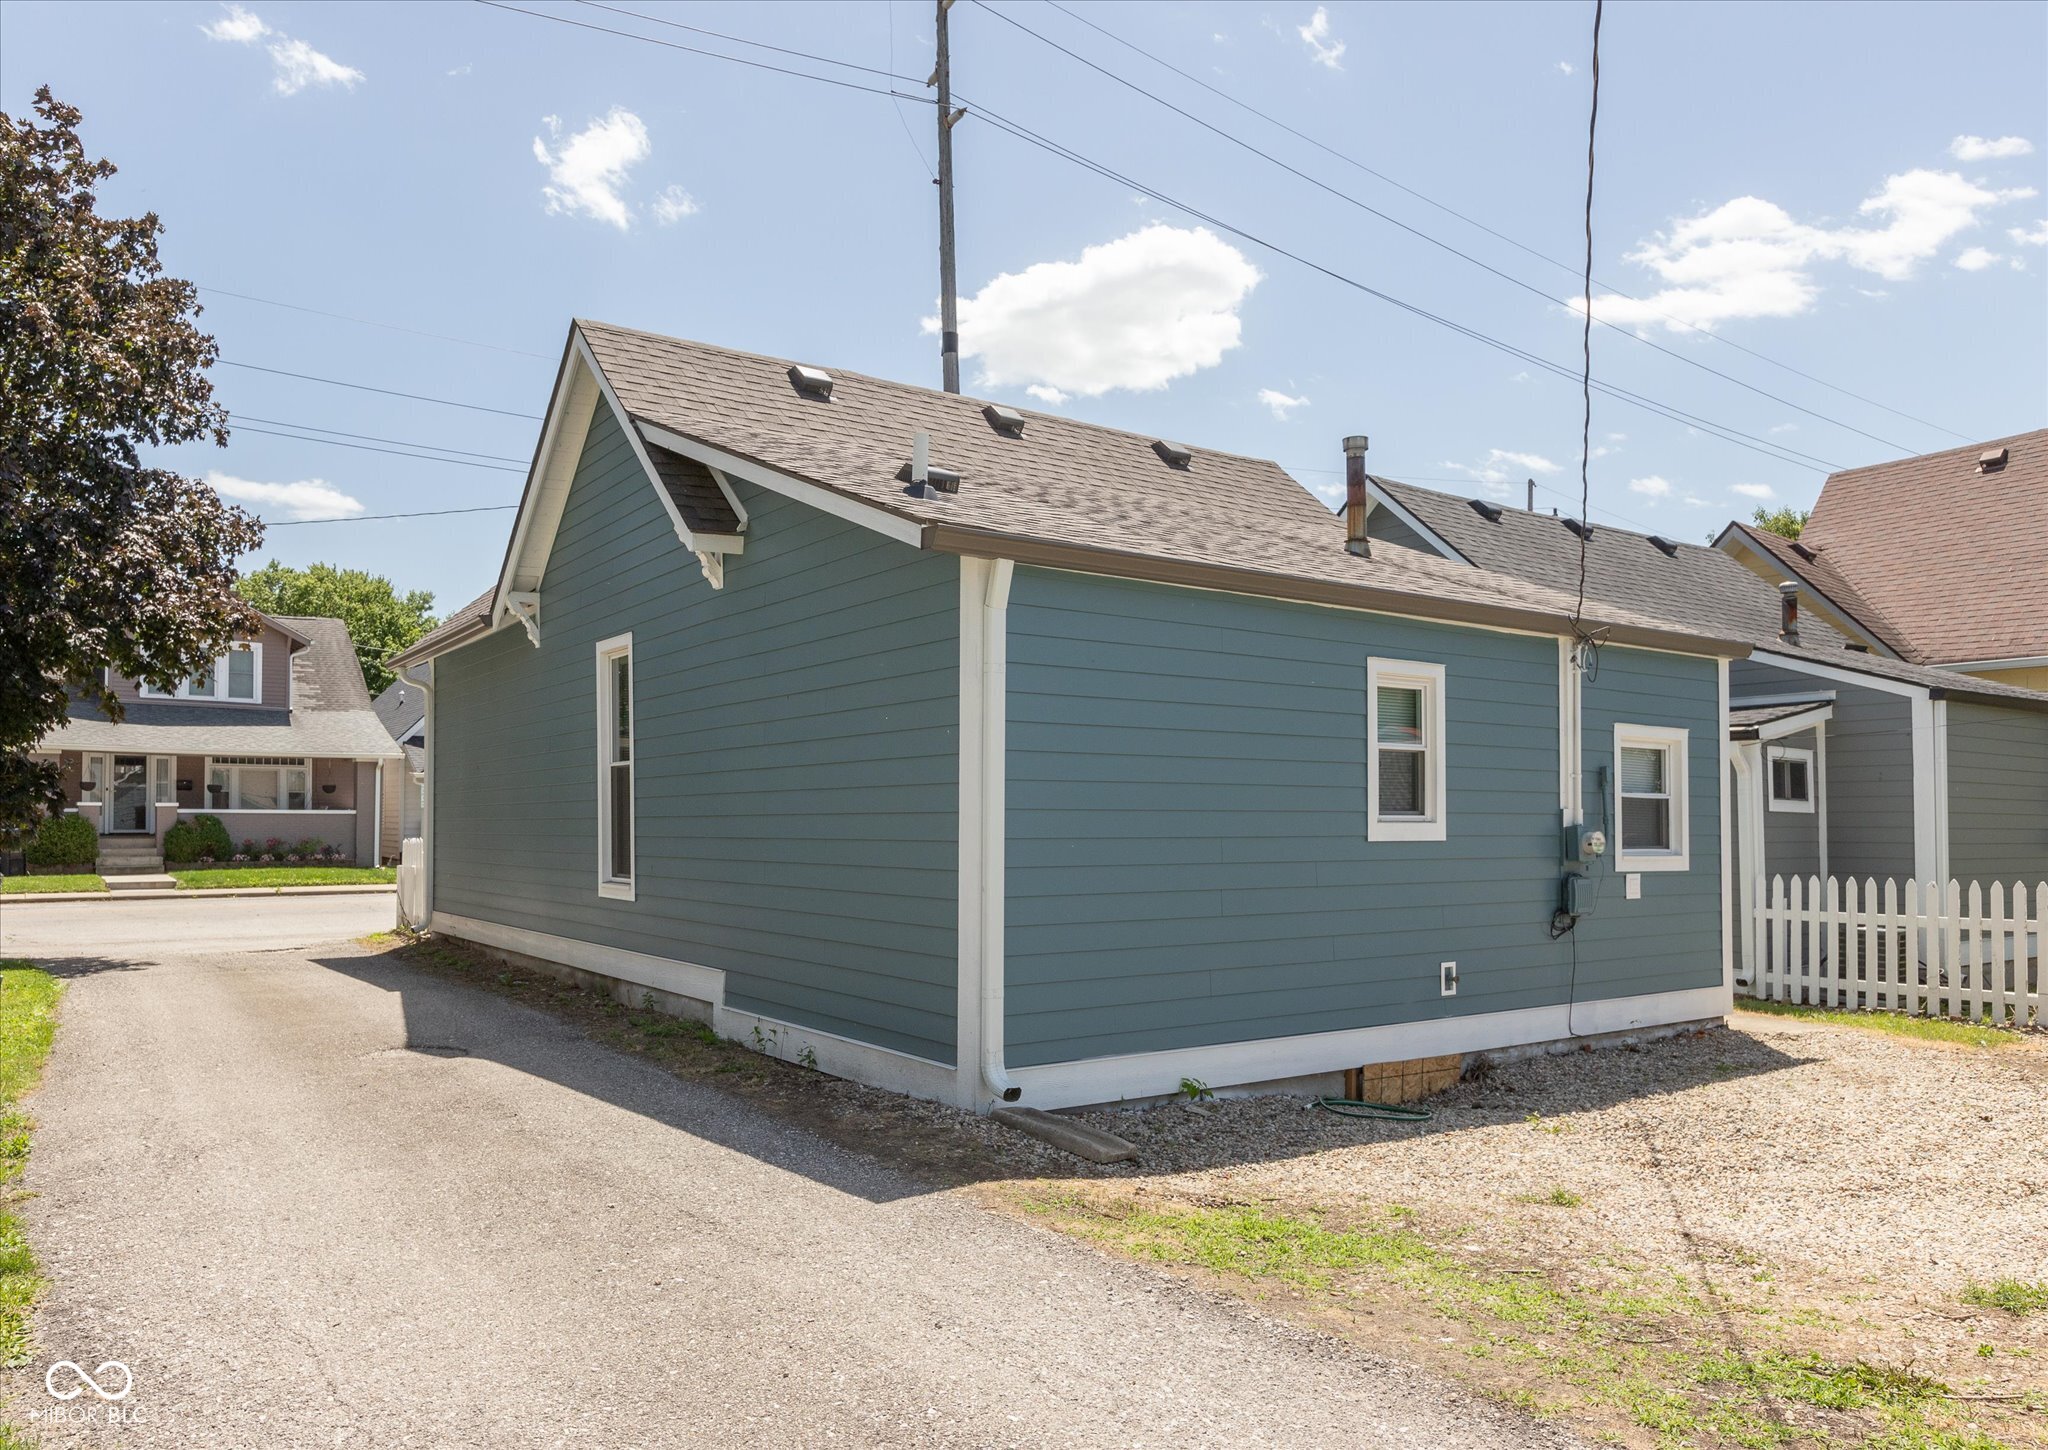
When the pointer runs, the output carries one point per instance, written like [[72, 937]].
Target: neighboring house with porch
[[991, 755], [1847, 762], [1939, 560], [403, 710], [277, 738]]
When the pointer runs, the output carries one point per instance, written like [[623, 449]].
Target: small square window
[[1792, 780]]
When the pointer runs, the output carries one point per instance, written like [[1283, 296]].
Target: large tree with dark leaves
[[105, 563]]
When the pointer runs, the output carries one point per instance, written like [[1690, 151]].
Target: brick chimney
[[1356, 504]]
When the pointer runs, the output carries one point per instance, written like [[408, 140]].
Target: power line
[[1587, 644], [368, 448], [1434, 241], [372, 438], [1491, 231], [1725, 432], [368, 322], [494, 508], [387, 392]]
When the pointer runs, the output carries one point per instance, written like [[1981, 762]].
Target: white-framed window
[[1651, 799], [258, 783], [236, 676], [1792, 784], [1405, 751], [615, 815]]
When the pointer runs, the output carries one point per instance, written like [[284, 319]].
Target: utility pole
[[949, 297]]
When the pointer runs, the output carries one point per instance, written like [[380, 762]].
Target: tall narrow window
[[1650, 793], [241, 672], [615, 767], [1405, 761]]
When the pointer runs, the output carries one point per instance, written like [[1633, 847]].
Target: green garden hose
[[1357, 1108]]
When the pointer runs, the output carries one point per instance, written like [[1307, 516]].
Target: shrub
[[214, 839], [181, 843], [249, 846], [63, 841], [308, 849], [202, 838]]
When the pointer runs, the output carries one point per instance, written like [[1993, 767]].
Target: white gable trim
[[1429, 536], [1839, 675], [570, 411], [1739, 545], [720, 462]]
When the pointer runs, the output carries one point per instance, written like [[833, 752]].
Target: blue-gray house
[[986, 754]]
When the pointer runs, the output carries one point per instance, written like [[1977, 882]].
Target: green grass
[[1555, 1198], [221, 878], [28, 1022], [1647, 1348], [2015, 1296], [14, 885], [1898, 1024]]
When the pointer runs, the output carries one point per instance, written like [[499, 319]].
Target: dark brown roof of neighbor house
[[473, 618], [1953, 553], [1710, 590], [1063, 492], [1818, 571]]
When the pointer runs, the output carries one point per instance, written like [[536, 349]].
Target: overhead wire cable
[[368, 321], [236, 420], [367, 388], [1435, 241], [373, 518], [1472, 221]]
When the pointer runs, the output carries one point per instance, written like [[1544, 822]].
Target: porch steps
[[130, 856], [141, 882]]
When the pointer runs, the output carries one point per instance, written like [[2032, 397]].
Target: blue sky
[[1853, 191]]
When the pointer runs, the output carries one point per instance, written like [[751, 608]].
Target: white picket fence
[[1924, 951]]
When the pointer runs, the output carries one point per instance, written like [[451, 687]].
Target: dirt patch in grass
[[1756, 1238]]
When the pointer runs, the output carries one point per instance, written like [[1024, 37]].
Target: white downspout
[[426, 686], [1749, 849], [995, 709]]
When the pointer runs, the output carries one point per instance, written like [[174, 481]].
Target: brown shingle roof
[[1956, 559], [1819, 571], [1062, 485], [467, 620]]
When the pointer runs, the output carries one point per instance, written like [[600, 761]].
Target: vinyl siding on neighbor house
[[1870, 770], [1998, 795], [796, 774], [1187, 852], [1791, 838]]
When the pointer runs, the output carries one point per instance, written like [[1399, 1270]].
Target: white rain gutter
[[995, 710]]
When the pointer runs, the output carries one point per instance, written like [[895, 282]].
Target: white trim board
[[1800, 664], [825, 500], [1158, 1074], [845, 1057], [1407, 516], [2015, 662]]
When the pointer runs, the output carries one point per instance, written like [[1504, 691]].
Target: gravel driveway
[[315, 1197]]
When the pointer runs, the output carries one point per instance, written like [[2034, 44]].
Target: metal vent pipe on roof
[[1357, 503], [1788, 612]]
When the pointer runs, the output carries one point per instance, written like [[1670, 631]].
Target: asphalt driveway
[[310, 1196]]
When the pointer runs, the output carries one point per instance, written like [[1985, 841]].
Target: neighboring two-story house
[[277, 738]]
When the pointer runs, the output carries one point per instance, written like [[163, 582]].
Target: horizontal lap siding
[[1869, 783], [1670, 938], [1791, 838], [1187, 861], [1998, 794], [797, 765]]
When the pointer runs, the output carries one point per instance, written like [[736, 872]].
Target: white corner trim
[[825, 500], [1429, 679], [1428, 535], [1927, 789], [1157, 1074], [846, 1057], [1677, 741], [1941, 793]]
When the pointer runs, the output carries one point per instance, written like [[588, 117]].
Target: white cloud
[[674, 204], [299, 65], [1051, 397], [1749, 257], [1979, 148], [1784, 427], [1567, 67], [1503, 467], [1976, 259], [1755, 490], [1280, 404], [308, 499], [585, 175], [295, 64], [1316, 36], [238, 27], [1134, 313], [462, 70], [1694, 501], [2030, 236], [1651, 487], [1520, 377]]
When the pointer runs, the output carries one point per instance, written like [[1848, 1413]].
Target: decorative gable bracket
[[524, 606]]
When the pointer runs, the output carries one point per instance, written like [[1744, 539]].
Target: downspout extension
[[995, 623], [426, 686]]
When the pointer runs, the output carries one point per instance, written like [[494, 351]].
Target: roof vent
[[1991, 460], [1176, 454], [811, 382], [1664, 546], [935, 481], [1583, 530], [1006, 421], [1491, 512], [1804, 551]]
